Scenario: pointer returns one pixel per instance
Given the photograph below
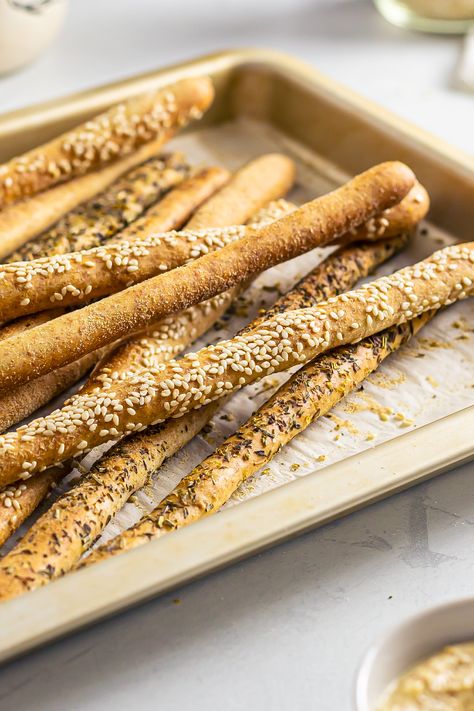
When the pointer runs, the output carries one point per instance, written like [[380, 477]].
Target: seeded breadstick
[[135, 254], [157, 393], [105, 138], [167, 338], [18, 501], [101, 217], [52, 548], [29, 218], [23, 358], [309, 394]]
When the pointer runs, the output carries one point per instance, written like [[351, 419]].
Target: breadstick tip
[[198, 91]]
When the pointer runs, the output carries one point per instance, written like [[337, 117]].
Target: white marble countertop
[[287, 628]]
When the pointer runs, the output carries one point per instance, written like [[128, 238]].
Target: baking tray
[[344, 134]]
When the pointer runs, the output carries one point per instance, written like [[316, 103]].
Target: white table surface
[[285, 629]]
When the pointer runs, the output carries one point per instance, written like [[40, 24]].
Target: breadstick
[[84, 511], [163, 342], [101, 217], [105, 138], [17, 502], [309, 394], [24, 357], [294, 337], [29, 218], [134, 255]]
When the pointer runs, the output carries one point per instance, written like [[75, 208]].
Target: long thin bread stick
[[105, 138]]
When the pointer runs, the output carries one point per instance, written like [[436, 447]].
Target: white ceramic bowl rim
[[425, 619]]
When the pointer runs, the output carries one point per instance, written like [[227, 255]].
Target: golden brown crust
[[309, 394], [397, 220], [277, 344], [316, 223], [29, 218], [18, 501], [105, 138], [246, 195], [84, 512], [100, 218]]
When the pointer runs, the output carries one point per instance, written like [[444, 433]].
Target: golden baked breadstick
[[62, 534], [309, 394], [27, 219], [23, 358], [135, 254], [162, 342], [18, 501], [105, 138], [297, 336], [100, 218]]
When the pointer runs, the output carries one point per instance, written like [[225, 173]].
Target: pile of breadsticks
[[116, 259]]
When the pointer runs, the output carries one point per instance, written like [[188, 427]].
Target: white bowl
[[27, 28], [409, 642]]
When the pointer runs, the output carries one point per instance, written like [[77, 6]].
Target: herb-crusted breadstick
[[101, 217], [86, 509], [317, 223], [285, 340], [309, 394], [29, 218], [105, 138]]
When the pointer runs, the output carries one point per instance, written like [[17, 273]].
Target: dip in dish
[[443, 682]]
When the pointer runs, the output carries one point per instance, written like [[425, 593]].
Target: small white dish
[[27, 28], [408, 643]]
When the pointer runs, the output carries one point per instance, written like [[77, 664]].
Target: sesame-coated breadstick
[[18, 501], [98, 219], [105, 138], [309, 394], [137, 253], [319, 222], [295, 337], [58, 539], [173, 334], [29, 218]]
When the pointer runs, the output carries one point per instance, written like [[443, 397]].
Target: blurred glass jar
[[448, 16]]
